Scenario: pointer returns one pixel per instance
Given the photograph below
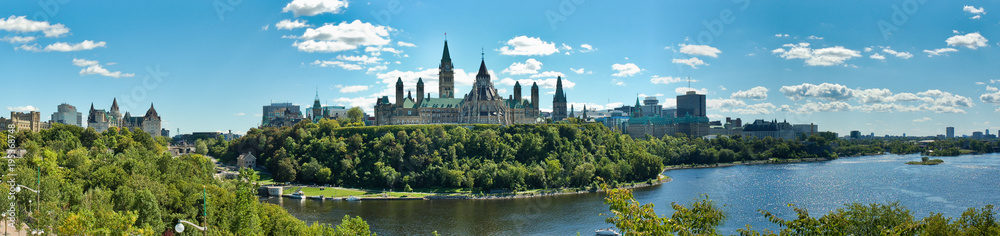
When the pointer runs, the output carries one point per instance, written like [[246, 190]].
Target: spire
[[399, 80], [114, 105], [420, 81], [482, 70], [534, 84], [637, 102], [446, 56], [560, 96], [151, 112], [92, 106]]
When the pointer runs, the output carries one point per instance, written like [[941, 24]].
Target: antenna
[[445, 36], [483, 52], [689, 83]]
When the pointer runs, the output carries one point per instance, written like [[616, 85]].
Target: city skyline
[[890, 68]]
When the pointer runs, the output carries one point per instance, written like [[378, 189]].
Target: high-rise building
[[67, 114], [977, 135], [651, 107], [691, 104], [446, 75], [855, 134], [950, 132], [559, 102], [280, 115]]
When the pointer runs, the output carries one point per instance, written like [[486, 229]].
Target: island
[[926, 161]]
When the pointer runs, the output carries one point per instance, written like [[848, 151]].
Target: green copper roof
[[560, 95], [446, 57], [441, 102]]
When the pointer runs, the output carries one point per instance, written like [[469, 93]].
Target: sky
[[883, 67]]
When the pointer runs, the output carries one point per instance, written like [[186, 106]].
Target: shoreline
[[465, 196]]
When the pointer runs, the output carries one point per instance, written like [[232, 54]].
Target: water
[[949, 188]]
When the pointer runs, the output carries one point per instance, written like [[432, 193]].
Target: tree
[[356, 115], [285, 171], [323, 176]]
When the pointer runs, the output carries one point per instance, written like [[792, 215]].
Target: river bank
[[759, 162]]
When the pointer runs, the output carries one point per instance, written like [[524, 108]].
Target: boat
[[353, 198], [320, 197], [606, 232], [297, 195]]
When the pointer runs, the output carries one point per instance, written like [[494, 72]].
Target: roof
[[151, 112], [408, 103], [246, 156], [482, 70], [517, 103], [560, 95], [446, 57], [441, 103]]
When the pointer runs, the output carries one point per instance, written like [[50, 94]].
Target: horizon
[[888, 68]]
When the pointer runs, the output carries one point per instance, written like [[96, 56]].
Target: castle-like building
[[482, 105], [101, 120]]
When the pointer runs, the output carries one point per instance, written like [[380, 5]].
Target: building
[[855, 134], [67, 114], [806, 129], [149, 123], [658, 126], [481, 105], [691, 103], [25, 121], [559, 102], [246, 160], [950, 132], [281, 115], [977, 135], [761, 129], [651, 107], [101, 120]]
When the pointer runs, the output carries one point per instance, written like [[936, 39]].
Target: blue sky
[[888, 67]]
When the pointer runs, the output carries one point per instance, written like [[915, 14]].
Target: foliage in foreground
[[122, 182], [634, 218]]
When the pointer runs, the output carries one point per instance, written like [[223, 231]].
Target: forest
[[122, 182], [490, 158]]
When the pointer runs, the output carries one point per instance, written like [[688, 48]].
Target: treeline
[[703, 217], [477, 157], [679, 149], [123, 182]]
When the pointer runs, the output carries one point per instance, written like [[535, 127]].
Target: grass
[[341, 192], [265, 179], [928, 162]]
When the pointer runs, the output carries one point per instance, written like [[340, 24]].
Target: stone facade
[[102, 120]]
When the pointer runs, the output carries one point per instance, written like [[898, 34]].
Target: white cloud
[[939, 51], [904, 55], [814, 37], [826, 91], [290, 24], [587, 48], [549, 83], [528, 46], [877, 56], [924, 119], [548, 74], [757, 93], [717, 103], [20, 24], [974, 10], [753, 109], [694, 62], [880, 100], [405, 44], [566, 47], [715, 116], [240, 114], [700, 50], [812, 107], [530, 66], [625, 70], [781, 35], [991, 88], [343, 36], [23, 108], [315, 7], [579, 71], [352, 88], [617, 82], [341, 64], [816, 57], [684, 90], [363, 59], [656, 79], [970, 41], [95, 68], [18, 39], [65, 47]]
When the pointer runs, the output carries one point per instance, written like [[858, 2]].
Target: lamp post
[[204, 229]]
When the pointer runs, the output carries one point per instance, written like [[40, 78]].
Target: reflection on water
[[949, 188]]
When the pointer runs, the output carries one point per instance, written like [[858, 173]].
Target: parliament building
[[482, 105]]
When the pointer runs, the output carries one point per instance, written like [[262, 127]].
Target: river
[[949, 188]]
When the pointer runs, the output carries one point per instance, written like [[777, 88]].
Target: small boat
[[353, 198], [320, 197], [606, 232], [297, 195]]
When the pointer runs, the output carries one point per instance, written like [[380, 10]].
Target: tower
[[483, 104], [116, 116], [585, 112], [420, 90], [317, 109], [517, 91], [637, 109], [692, 104], [559, 102], [446, 75], [399, 92], [534, 95]]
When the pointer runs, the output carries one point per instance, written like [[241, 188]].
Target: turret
[[517, 91], [399, 92], [420, 90], [534, 95]]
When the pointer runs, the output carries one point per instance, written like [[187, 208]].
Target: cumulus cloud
[[656, 79], [291, 24], [20, 24], [828, 56], [315, 7], [587, 48], [694, 62], [877, 56], [625, 70], [580, 71], [352, 88], [756, 93], [65, 47], [341, 64], [528, 46], [530, 66], [812, 107], [405, 44], [904, 55], [939, 51], [825, 91], [718, 103], [548, 74], [343, 36], [977, 12], [924, 119], [23, 108], [18, 39], [971, 41], [781, 35], [684, 90], [363, 59], [700, 50], [94, 68], [549, 83], [814, 37], [879, 100], [752, 109]]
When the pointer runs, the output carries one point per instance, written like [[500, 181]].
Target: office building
[[950, 132], [67, 114], [691, 104]]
